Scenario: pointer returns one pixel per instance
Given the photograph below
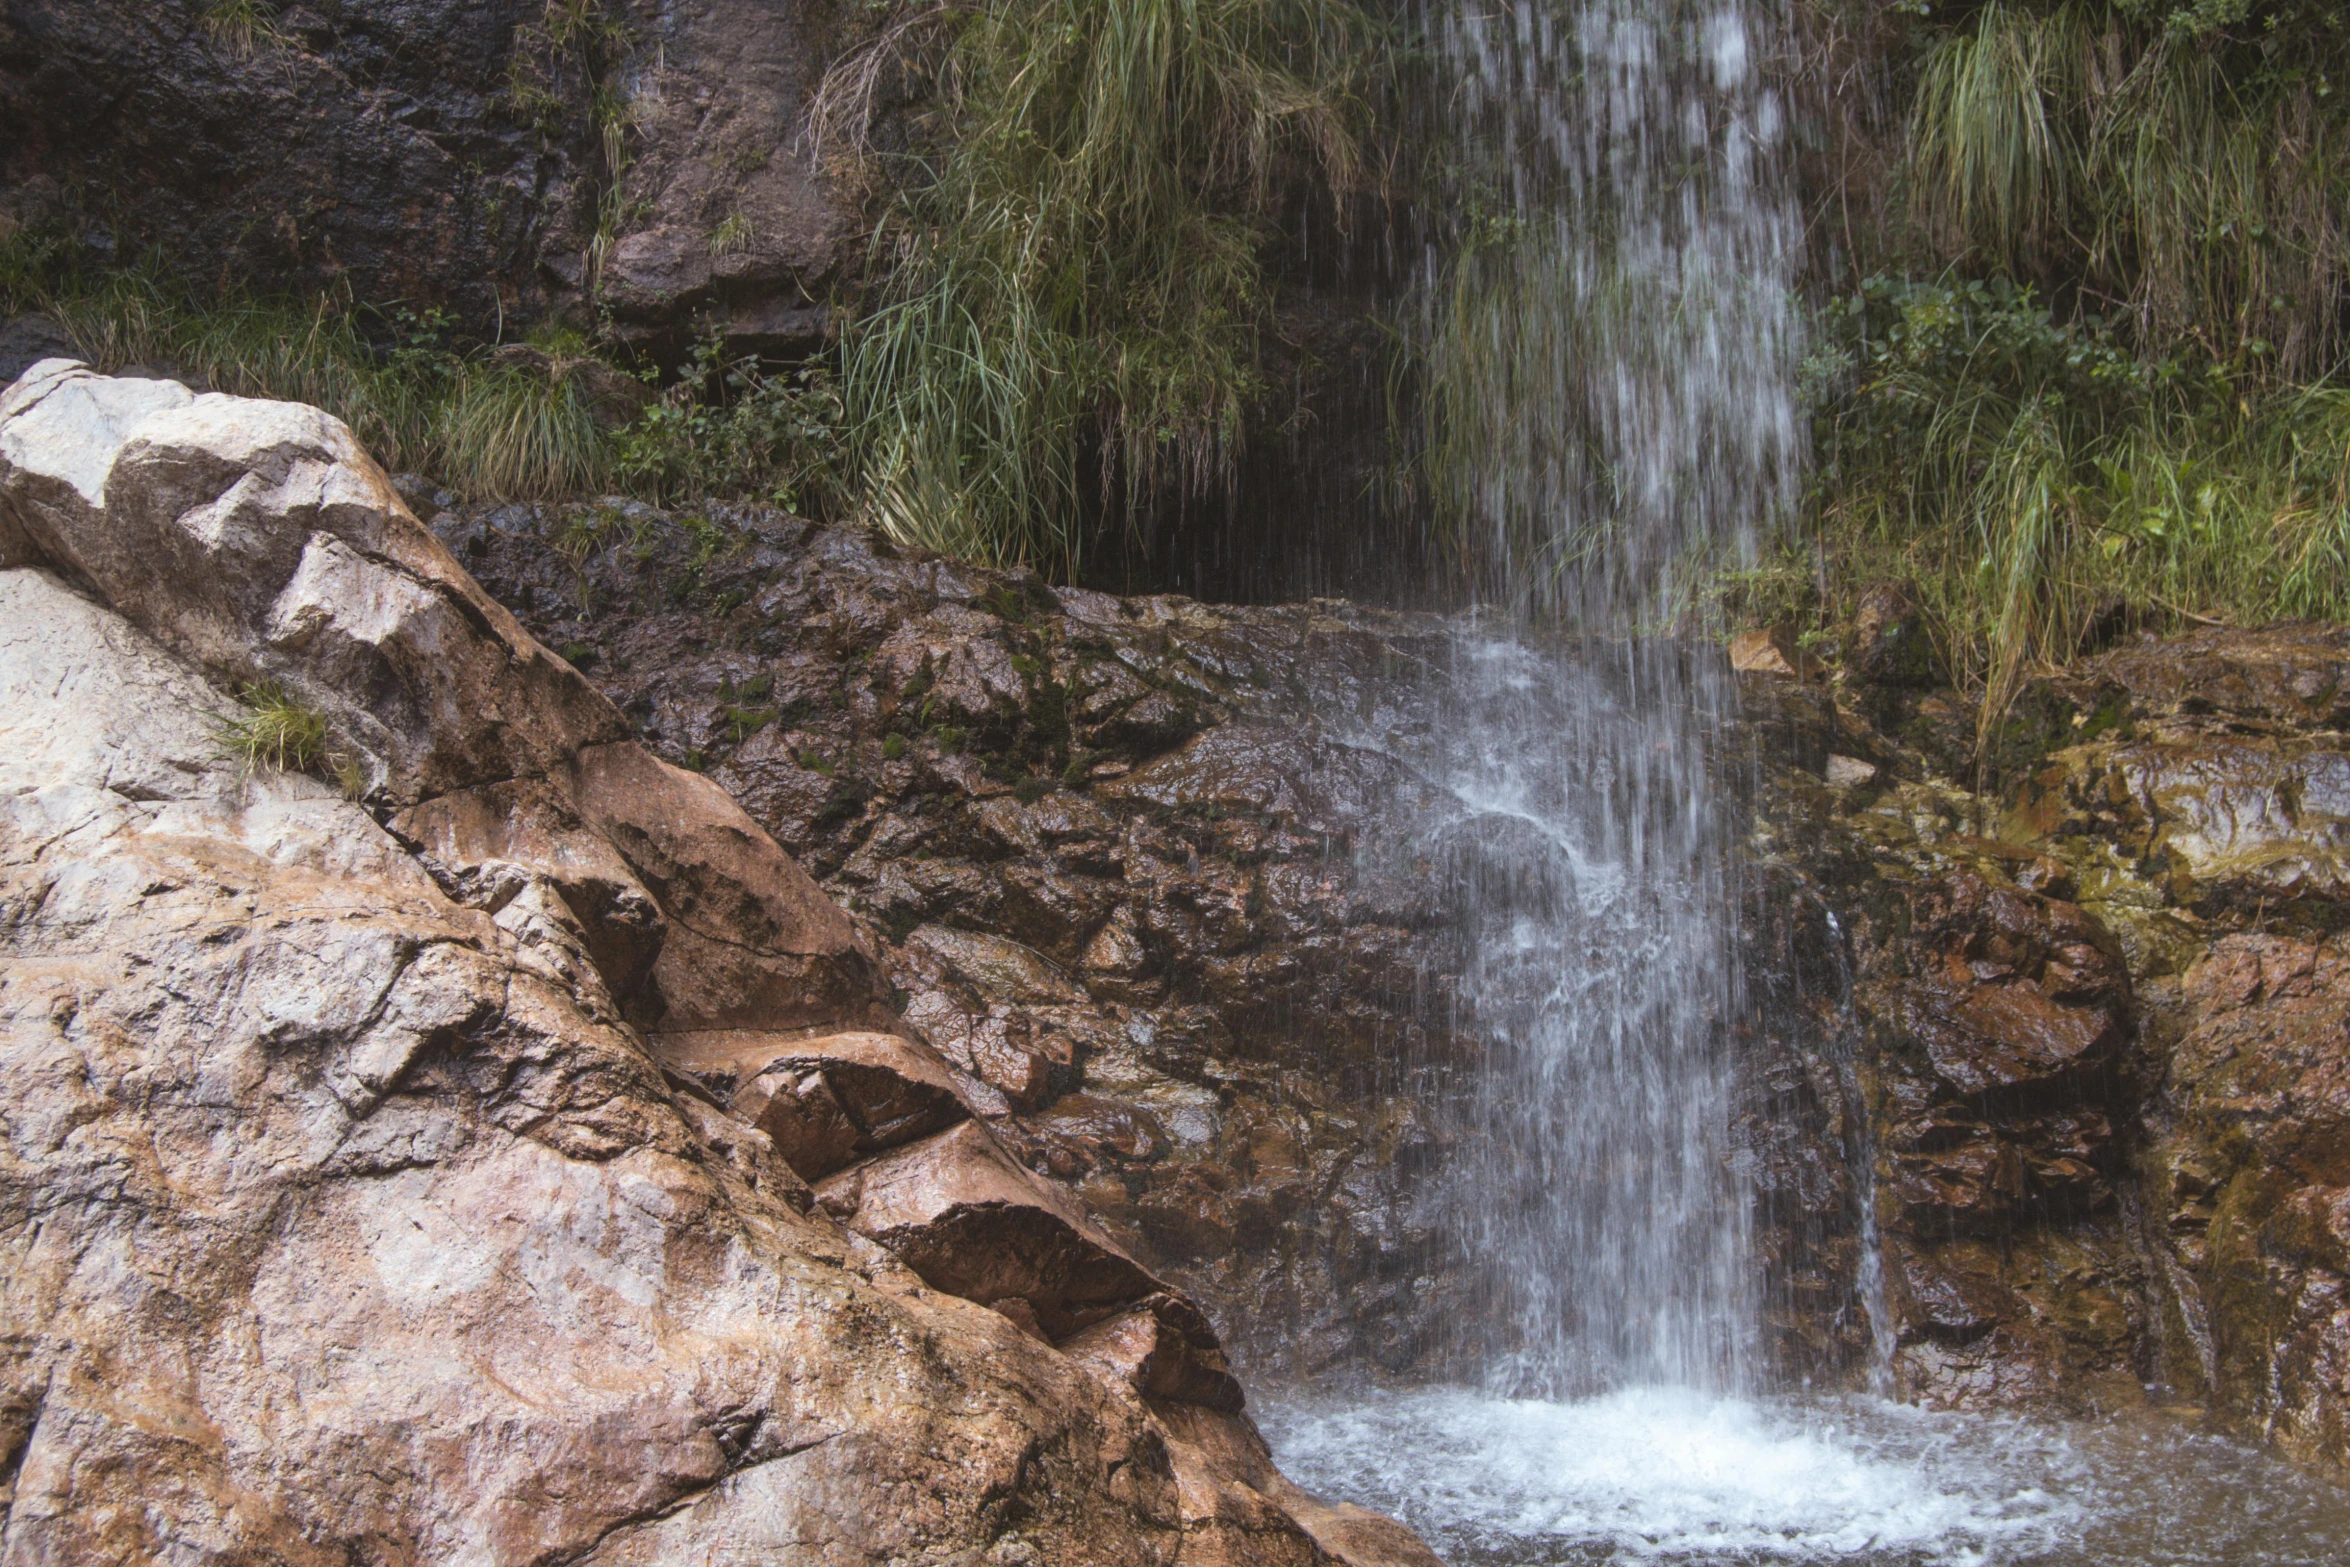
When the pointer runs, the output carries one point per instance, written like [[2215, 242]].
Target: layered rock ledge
[[2072, 1029], [2060, 1037], [504, 1151]]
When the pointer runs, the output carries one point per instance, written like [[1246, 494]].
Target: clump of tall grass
[[489, 426], [276, 731], [2185, 169], [1073, 264], [2034, 476], [242, 27]]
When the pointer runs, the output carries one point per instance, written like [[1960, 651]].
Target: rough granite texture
[[443, 152], [2071, 1034], [366, 1192]]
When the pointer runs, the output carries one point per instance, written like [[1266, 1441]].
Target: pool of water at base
[[1681, 1479]]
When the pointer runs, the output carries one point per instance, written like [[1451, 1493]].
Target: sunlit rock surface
[[363, 1186]]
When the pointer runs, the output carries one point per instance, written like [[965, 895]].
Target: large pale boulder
[[345, 1214], [260, 542], [340, 1219]]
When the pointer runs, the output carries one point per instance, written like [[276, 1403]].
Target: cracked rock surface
[[363, 1190]]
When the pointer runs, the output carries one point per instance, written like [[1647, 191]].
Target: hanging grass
[[275, 731], [2184, 170], [1074, 261]]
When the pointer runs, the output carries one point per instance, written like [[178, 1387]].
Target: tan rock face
[[825, 1100], [343, 1211], [471, 835], [753, 941], [961, 1213], [2253, 1183]]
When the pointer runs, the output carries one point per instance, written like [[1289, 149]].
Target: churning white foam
[[1669, 1476]]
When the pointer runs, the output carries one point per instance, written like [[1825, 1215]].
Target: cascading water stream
[[1609, 365], [1613, 371]]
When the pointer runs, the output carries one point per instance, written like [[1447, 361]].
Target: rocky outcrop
[[384, 1167], [1122, 865], [2073, 1037], [505, 160], [1114, 856]]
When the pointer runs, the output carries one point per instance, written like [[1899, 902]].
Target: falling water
[[1608, 365], [1612, 373], [1595, 1205]]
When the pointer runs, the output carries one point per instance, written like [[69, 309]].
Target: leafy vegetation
[[2095, 375], [2185, 170], [730, 430], [2078, 362], [2037, 480]]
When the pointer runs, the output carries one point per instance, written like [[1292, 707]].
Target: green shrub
[[2029, 474], [731, 431]]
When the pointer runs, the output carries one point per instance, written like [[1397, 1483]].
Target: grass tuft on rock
[[276, 731]]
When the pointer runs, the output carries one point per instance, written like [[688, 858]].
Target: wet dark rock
[[441, 153], [2081, 1029], [1105, 852], [1888, 645], [1166, 962], [27, 340]]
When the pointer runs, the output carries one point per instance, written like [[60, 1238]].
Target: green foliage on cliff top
[[2098, 370], [2184, 169]]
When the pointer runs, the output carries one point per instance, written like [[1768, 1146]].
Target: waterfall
[[1611, 353], [1607, 358], [1610, 372]]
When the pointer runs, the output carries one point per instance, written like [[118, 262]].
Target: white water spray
[[1609, 363], [1614, 373]]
